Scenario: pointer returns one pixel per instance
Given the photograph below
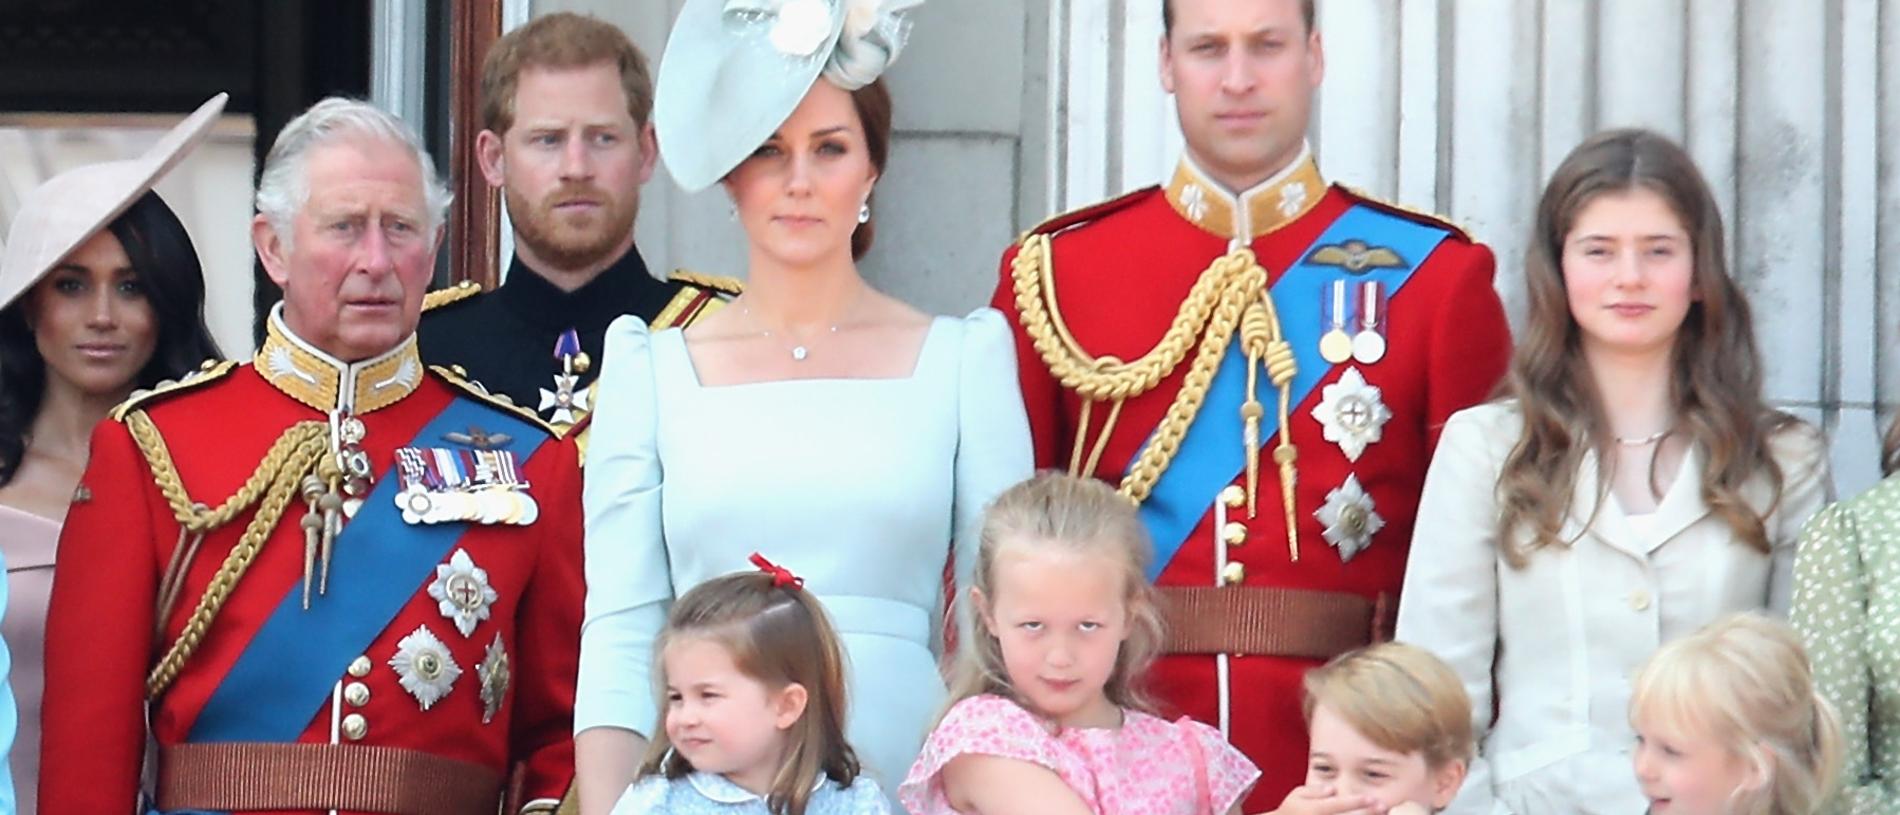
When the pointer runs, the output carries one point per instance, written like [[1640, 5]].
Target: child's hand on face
[[1319, 799]]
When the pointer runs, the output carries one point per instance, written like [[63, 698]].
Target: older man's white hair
[[284, 187]]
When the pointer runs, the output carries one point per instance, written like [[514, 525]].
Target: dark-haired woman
[[1630, 486], [102, 295]]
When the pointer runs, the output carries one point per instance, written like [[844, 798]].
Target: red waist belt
[[254, 776], [1260, 621]]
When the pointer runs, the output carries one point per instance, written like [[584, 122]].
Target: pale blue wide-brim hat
[[734, 70]]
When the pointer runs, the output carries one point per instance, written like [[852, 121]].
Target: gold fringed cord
[[1230, 295], [1251, 413], [1081, 437], [1101, 440], [301, 448], [1282, 366]]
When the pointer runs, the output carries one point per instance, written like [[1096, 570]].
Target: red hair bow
[[781, 576]]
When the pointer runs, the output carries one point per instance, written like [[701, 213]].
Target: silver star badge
[[566, 403], [1349, 518], [462, 592], [1352, 413], [494, 675], [426, 669]]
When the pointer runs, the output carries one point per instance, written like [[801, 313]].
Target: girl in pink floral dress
[[1044, 717]]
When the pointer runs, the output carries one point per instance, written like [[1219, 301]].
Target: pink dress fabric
[[28, 542], [1148, 766]]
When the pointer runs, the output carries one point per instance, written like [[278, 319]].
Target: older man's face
[[361, 251]]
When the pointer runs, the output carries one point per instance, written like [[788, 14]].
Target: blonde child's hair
[[1399, 697], [778, 634], [1745, 682], [1054, 511]]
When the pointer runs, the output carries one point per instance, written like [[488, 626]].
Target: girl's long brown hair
[[777, 635], [1716, 379]]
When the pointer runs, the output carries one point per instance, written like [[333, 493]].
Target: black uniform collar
[[623, 288]]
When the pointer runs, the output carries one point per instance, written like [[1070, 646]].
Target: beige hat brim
[[60, 215]]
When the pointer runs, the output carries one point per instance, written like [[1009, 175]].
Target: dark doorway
[[137, 56]]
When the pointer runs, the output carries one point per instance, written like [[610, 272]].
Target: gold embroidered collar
[[329, 384], [1269, 205]]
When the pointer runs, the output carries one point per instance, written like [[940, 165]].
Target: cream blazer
[[1554, 645]]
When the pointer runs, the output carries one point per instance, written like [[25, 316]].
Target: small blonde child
[[1044, 714], [1728, 722], [754, 704], [1390, 731]]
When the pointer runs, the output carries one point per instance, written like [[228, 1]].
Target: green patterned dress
[[1847, 607]]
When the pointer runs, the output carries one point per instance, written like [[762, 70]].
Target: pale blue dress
[[863, 487], [708, 794]]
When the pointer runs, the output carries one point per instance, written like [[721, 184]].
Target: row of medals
[[493, 505], [488, 506], [1344, 306]]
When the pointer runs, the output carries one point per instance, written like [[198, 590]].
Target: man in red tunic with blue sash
[[330, 580], [1263, 361]]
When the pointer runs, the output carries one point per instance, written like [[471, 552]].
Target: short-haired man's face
[[1243, 74], [571, 166], [361, 250]]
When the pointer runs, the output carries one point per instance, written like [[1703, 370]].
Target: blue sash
[[1212, 453], [286, 673]]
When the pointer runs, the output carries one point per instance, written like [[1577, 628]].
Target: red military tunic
[[1120, 273], [506, 713]]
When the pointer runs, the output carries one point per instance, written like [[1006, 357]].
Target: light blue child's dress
[[710, 794]]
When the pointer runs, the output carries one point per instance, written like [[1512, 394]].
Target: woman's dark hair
[[873, 103], [173, 281]]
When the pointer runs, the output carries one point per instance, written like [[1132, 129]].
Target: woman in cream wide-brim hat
[[101, 293]]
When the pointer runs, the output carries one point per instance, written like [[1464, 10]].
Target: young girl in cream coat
[[1631, 486]]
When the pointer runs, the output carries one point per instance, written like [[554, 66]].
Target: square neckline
[[916, 365]]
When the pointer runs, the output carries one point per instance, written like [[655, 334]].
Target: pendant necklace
[[1644, 441], [799, 350]]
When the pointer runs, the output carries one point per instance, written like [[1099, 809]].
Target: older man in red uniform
[[1263, 361], [330, 580]]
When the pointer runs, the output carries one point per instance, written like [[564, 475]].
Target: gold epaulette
[[1402, 210], [453, 294], [209, 371], [719, 283], [499, 401], [699, 295], [1084, 214]]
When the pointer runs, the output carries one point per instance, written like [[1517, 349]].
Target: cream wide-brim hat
[[59, 216]]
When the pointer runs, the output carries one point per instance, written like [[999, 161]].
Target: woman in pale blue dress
[[837, 430]]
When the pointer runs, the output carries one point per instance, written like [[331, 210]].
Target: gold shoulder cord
[[1231, 294], [301, 450]]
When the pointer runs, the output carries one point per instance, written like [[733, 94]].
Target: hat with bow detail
[[734, 70]]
